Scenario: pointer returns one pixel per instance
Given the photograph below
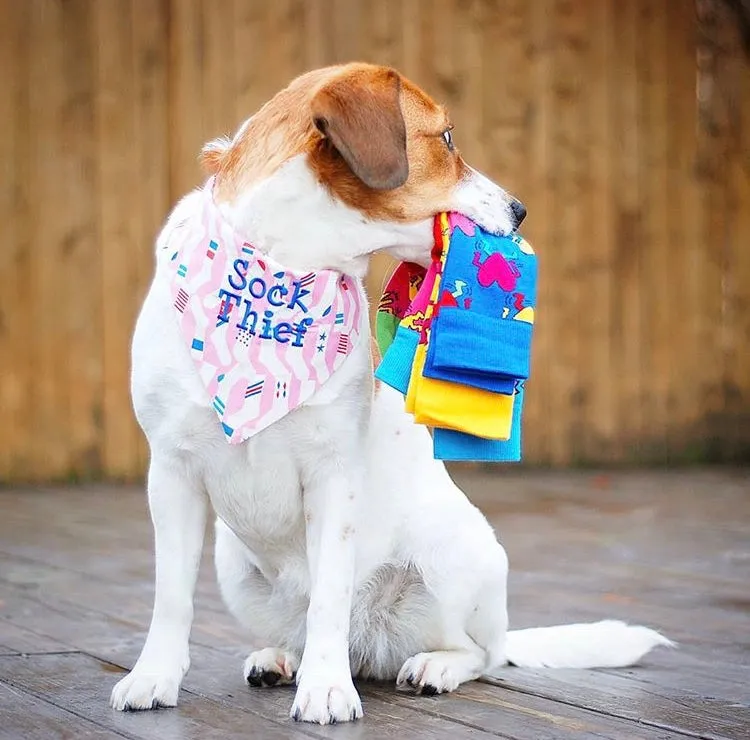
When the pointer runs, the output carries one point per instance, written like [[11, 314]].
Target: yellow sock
[[438, 403]]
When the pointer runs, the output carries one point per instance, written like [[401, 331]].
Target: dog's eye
[[448, 139]]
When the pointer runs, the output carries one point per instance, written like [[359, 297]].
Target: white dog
[[341, 542]]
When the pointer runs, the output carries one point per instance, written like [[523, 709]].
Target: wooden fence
[[624, 125]]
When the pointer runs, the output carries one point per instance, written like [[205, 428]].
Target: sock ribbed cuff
[[450, 445], [395, 367], [453, 446]]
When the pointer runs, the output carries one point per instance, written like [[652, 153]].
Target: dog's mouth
[[500, 221], [487, 204]]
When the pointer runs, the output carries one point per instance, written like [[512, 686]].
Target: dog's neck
[[297, 222]]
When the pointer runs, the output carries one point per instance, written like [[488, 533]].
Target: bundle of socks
[[456, 339]]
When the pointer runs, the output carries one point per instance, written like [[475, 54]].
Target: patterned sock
[[396, 301], [398, 357], [481, 332], [398, 349]]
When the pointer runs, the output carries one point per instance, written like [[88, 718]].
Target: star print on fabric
[[323, 337], [321, 347]]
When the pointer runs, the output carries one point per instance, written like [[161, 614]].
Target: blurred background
[[623, 125]]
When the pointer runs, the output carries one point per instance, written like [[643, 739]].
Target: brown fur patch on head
[[351, 121], [434, 168]]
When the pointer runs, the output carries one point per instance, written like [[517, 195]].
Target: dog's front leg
[[325, 690], [178, 511]]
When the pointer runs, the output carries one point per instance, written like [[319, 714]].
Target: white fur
[[606, 644], [340, 541], [301, 225], [477, 197]]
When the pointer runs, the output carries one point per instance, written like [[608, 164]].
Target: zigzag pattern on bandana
[[263, 338]]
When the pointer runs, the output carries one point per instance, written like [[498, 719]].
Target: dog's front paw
[[326, 702], [153, 683], [270, 667], [143, 689]]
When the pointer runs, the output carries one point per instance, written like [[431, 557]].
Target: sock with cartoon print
[[400, 318], [480, 335]]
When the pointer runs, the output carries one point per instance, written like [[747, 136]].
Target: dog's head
[[346, 161]]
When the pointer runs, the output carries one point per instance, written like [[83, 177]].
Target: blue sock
[[395, 367], [475, 337], [455, 446]]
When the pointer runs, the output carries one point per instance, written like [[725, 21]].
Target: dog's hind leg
[[178, 511], [467, 580], [472, 637]]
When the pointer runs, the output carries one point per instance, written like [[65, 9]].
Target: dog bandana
[[263, 338]]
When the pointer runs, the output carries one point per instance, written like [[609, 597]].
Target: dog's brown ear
[[360, 114]]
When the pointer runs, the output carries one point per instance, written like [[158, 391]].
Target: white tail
[[607, 644]]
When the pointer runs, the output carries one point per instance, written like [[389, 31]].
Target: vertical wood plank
[[218, 70], [253, 87], [286, 35], [629, 247], [317, 34], [500, 129], [715, 35], [411, 38], [459, 73], [687, 224], [657, 299], [599, 413], [567, 282], [47, 404], [81, 247], [503, 93], [150, 49], [735, 413], [383, 42], [541, 230], [344, 19], [15, 328], [444, 67], [426, 73], [680, 179], [120, 231], [186, 114]]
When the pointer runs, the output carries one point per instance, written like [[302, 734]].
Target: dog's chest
[[257, 490]]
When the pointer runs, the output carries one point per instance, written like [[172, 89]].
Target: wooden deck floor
[[671, 550]]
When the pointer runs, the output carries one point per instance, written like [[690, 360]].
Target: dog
[[340, 541]]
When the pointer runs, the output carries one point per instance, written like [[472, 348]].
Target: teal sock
[[395, 367]]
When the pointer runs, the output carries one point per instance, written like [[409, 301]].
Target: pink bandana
[[263, 338]]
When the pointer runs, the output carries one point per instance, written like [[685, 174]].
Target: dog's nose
[[519, 211]]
